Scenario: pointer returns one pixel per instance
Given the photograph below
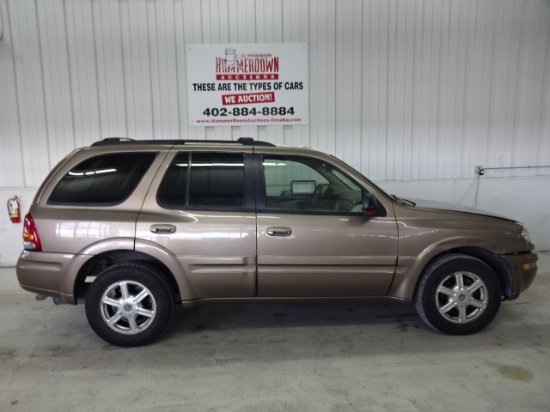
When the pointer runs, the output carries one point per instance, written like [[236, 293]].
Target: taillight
[[31, 241]]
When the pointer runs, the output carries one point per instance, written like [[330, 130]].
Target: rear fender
[[172, 263]]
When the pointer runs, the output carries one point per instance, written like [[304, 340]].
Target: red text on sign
[[248, 98]]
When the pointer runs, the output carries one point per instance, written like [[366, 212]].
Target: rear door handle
[[279, 231], [163, 228]]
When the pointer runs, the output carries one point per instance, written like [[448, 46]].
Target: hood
[[428, 204]]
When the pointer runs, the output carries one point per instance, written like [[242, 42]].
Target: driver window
[[308, 185]]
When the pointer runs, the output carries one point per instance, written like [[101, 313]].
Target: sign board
[[247, 84]]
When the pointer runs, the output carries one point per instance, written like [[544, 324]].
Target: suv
[[132, 228]]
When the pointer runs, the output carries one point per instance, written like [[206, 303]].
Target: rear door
[[313, 239], [203, 215]]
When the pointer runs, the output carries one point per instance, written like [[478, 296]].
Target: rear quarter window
[[103, 180]]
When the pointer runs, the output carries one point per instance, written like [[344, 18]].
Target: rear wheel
[[458, 295], [129, 304]]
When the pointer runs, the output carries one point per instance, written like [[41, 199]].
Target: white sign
[[247, 84]]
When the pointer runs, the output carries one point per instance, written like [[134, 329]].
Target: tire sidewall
[[426, 298], [149, 278]]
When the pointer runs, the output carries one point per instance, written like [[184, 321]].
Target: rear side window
[[103, 180], [204, 181]]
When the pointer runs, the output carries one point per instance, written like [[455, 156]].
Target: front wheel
[[129, 304], [458, 295]]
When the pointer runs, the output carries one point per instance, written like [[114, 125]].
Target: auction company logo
[[246, 67]]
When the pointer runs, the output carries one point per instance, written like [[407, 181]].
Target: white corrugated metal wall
[[403, 90]]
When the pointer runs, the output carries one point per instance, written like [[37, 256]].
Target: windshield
[[364, 177]]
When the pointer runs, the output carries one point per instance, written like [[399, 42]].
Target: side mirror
[[370, 204]]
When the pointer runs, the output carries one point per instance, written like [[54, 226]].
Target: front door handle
[[162, 228], [279, 231]]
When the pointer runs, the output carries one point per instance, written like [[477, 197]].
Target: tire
[[129, 304], [458, 295]]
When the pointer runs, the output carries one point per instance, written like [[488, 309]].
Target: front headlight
[[526, 235]]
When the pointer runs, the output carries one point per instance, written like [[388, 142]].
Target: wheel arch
[[94, 266], [497, 263], [410, 269]]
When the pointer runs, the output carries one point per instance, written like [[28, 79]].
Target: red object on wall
[[14, 209]]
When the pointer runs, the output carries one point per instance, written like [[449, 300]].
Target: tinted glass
[[102, 180], [308, 185], [173, 189], [217, 180], [210, 181]]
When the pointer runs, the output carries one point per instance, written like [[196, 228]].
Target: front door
[[313, 239]]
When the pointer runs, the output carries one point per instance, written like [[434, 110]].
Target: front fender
[[411, 265]]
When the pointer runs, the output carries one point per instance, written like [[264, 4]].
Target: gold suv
[[132, 228]]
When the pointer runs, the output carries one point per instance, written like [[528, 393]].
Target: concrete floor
[[277, 357]]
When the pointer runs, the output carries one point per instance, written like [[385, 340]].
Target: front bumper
[[523, 267]]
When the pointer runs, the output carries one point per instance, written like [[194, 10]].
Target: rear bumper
[[523, 267], [50, 274]]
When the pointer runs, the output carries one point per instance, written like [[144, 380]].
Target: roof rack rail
[[245, 141], [110, 140]]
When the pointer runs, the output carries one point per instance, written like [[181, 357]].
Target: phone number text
[[245, 111]]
